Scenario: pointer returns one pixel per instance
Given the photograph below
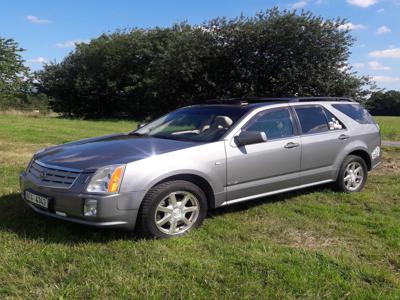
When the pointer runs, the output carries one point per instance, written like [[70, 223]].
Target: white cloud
[[392, 53], [386, 79], [38, 60], [362, 3], [383, 30], [71, 44], [36, 20], [375, 65], [351, 26], [299, 4], [359, 65]]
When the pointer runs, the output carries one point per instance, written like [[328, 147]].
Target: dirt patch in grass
[[308, 239], [390, 162], [390, 165]]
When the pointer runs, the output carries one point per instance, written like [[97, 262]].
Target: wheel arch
[[364, 155], [198, 180]]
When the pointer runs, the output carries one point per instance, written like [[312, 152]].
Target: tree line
[[384, 103], [146, 72]]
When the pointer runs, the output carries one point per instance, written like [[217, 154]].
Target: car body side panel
[[364, 137], [323, 153], [319, 155], [263, 167], [206, 160]]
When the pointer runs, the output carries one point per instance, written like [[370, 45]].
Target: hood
[[93, 153]]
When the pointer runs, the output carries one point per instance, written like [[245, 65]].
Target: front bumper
[[116, 211]]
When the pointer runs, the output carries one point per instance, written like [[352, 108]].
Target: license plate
[[37, 199]]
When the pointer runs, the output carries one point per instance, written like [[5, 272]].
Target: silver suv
[[163, 177]]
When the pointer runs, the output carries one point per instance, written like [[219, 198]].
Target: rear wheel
[[171, 209], [352, 175]]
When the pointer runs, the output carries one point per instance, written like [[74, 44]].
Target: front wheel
[[352, 175], [171, 209]]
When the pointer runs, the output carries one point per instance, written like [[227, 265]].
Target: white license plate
[[36, 199]]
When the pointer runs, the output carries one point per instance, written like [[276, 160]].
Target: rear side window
[[312, 119], [333, 122], [356, 112]]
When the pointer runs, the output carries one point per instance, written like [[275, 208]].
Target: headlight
[[106, 179]]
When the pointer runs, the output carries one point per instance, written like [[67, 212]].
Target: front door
[[253, 170]]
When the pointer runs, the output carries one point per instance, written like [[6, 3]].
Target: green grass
[[390, 128], [310, 244]]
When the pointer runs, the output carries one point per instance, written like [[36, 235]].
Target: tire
[[353, 175], [171, 209]]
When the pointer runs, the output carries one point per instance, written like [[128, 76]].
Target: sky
[[49, 30]]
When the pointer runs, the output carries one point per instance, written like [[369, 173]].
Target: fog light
[[90, 208]]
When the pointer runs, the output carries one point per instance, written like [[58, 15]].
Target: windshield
[[197, 124]]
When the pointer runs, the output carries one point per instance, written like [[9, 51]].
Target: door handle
[[343, 137], [291, 145]]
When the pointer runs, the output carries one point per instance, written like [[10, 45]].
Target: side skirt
[[275, 192]]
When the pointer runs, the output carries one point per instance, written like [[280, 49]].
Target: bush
[[144, 73]]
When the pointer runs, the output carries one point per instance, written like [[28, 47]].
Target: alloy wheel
[[353, 176], [177, 212]]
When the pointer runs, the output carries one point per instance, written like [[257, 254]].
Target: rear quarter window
[[356, 112]]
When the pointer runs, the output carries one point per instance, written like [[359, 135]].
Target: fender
[[349, 148]]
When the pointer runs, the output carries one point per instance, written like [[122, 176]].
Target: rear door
[[323, 136], [268, 166]]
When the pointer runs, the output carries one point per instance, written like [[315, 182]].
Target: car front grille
[[53, 176]]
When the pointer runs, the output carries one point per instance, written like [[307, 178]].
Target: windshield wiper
[[137, 133], [172, 137]]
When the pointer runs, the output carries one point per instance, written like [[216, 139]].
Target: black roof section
[[251, 100]]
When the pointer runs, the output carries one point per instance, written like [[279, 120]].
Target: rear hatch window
[[356, 112]]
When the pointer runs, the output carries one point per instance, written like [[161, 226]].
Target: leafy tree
[[384, 103], [144, 73], [13, 73]]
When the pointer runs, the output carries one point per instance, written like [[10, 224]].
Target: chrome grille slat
[[52, 176]]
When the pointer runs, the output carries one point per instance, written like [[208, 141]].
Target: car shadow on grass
[[17, 218]]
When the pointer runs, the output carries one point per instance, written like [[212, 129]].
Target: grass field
[[310, 244], [390, 128]]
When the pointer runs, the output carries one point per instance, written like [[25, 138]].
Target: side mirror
[[250, 137], [141, 125]]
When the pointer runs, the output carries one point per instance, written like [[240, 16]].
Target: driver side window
[[276, 123]]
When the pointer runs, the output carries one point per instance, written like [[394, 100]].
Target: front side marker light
[[115, 180]]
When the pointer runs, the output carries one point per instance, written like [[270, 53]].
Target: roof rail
[[247, 100], [226, 101], [316, 98]]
